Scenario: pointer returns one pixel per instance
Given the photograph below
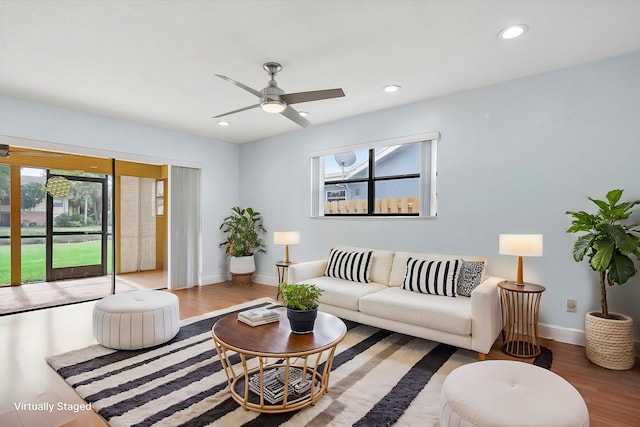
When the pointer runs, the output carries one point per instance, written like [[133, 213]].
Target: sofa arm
[[306, 270], [486, 316]]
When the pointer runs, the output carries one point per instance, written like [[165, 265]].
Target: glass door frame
[[62, 273]]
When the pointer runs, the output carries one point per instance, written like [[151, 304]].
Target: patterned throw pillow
[[349, 265], [469, 276], [431, 277]]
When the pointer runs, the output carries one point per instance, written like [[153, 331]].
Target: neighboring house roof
[[353, 171]]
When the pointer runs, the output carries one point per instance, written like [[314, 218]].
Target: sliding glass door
[[77, 227]]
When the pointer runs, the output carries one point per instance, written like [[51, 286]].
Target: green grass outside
[[64, 255]]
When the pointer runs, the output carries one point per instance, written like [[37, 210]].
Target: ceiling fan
[[275, 100]]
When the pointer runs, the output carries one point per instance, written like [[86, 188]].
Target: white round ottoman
[[501, 393], [134, 320]]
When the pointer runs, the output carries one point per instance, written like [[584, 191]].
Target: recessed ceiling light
[[391, 88], [303, 113], [513, 31], [223, 123]]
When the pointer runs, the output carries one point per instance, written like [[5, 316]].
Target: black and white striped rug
[[378, 378]]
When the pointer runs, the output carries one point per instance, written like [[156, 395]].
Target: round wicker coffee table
[[279, 371]]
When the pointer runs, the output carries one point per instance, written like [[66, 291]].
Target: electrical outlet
[[572, 305]]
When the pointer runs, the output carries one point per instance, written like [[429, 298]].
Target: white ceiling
[[154, 61]]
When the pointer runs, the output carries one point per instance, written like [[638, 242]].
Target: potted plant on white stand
[[608, 244], [301, 301], [243, 229]]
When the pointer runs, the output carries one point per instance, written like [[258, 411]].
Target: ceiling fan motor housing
[[271, 101]]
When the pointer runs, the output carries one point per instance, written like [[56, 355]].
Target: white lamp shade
[[521, 244], [286, 237]]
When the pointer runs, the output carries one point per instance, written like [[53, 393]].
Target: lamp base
[[519, 280]]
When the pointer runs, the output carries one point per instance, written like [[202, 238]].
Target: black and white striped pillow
[[349, 265], [431, 277]]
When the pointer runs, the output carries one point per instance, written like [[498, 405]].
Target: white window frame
[[428, 194]]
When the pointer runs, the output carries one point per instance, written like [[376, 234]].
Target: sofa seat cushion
[[442, 313], [342, 293]]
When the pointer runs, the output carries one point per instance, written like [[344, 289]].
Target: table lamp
[[286, 238], [520, 245]]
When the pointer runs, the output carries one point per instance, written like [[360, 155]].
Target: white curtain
[[184, 219], [137, 224]]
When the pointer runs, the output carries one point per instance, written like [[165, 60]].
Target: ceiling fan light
[[273, 106]]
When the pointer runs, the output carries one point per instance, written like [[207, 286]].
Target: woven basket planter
[[609, 342]]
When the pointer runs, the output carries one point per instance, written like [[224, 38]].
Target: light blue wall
[[133, 141], [512, 159]]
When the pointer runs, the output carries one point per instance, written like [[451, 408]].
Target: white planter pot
[[242, 265], [609, 342]]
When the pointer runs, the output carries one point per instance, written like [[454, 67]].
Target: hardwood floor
[[613, 397]]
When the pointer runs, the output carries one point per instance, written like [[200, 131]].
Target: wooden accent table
[[267, 348], [520, 305], [282, 267]]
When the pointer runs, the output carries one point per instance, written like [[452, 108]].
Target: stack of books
[[273, 380], [258, 316]]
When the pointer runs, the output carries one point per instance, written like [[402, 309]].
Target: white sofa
[[471, 322]]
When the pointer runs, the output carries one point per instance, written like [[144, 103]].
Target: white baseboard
[[265, 280], [569, 335], [257, 278], [216, 278], [562, 334]]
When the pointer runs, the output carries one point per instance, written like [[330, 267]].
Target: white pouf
[[501, 393], [138, 319]]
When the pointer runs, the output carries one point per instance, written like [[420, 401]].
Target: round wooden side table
[[520, 306]]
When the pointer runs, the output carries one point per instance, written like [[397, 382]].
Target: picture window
[[395, 177]]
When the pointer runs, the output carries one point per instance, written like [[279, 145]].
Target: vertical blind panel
[[185, 215], [129, 202], [147, 225], [137, 224]]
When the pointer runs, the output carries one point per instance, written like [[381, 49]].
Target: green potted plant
[[243, 229], [609, 243], [301, 301]]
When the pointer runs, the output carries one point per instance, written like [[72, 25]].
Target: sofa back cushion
[[381, 262], [432, 277], [399, 268]]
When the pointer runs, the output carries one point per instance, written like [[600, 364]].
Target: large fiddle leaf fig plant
[[243, 229], [609, 242]]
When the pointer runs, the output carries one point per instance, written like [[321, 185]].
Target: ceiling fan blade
[[240, 85], [236, 111], [315, 95], [293, 115]]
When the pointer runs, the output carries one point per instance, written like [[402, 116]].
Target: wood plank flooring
[[613, 397]]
